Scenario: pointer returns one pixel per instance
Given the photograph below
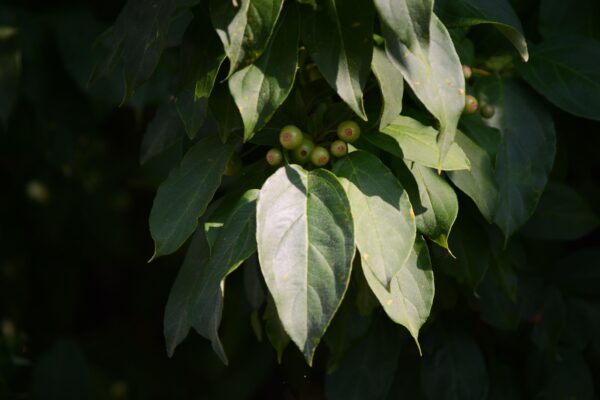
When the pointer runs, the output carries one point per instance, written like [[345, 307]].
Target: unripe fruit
[[274, 157], [348, 131], [319, 156], [338, 148], [470, 104], [301, 154], [487, 111], [290, 137], [467, 72]]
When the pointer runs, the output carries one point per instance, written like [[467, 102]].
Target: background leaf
[[563, 69], [526, 153], [260, 88], [499, 13], [305, 238], [244, 27], [384, 229], [338, 36], [183, 197]]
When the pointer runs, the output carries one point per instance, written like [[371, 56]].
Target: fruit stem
[[480, 71]]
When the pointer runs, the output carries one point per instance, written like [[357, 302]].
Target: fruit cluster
[[471, 103], [303, 148]]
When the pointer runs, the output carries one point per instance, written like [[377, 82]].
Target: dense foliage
[[408, 189]]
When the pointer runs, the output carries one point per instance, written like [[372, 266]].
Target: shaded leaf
[[526, 154], [244, 27], [260, 88], [572, 17], [409, 299], [338, 36], [184, 196], [578, 273], [305, 241], [384, 229], [499, 13], [562, 214], [274, 330], [479, 183], [564, 70], [367, 371], [163, 131], [438, 205], [391, 84]]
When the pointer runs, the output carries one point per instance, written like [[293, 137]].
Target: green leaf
[[578, 273], [408, 139], [526, 154], [384, 229], [422, 49], [569, 17], [184, 196], [164, 131], [437, 207], [142, 31], [410, 296], [305, 238], [226, 113], [391, 84], [339, 37], [454, 369], [470, 244], [197, 295], [244, 27], [479, 183], [562, 214], [561, 375], [487, 137], [274, 329], [465, 13], [201, 57], [494, 303], [368, 370], [564, 70], [260, 88]]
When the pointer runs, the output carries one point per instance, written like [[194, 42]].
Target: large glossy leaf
[[422, 49], [197, 295], [499, 13], [438, 206], [368, 369], [526, 154], [410, 296], [183, 197], [244, 27], [260, 88], [479, 183], [407, 138], [305, 236], [454, 369], [564, 70], [391, 84], [562, 214], [338, 36], [384, 228]]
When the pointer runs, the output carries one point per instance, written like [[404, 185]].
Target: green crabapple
[[274, 157], [290, 137], [319, 156], [348, 131], [470, 104], [301, 154], [338, 148]]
